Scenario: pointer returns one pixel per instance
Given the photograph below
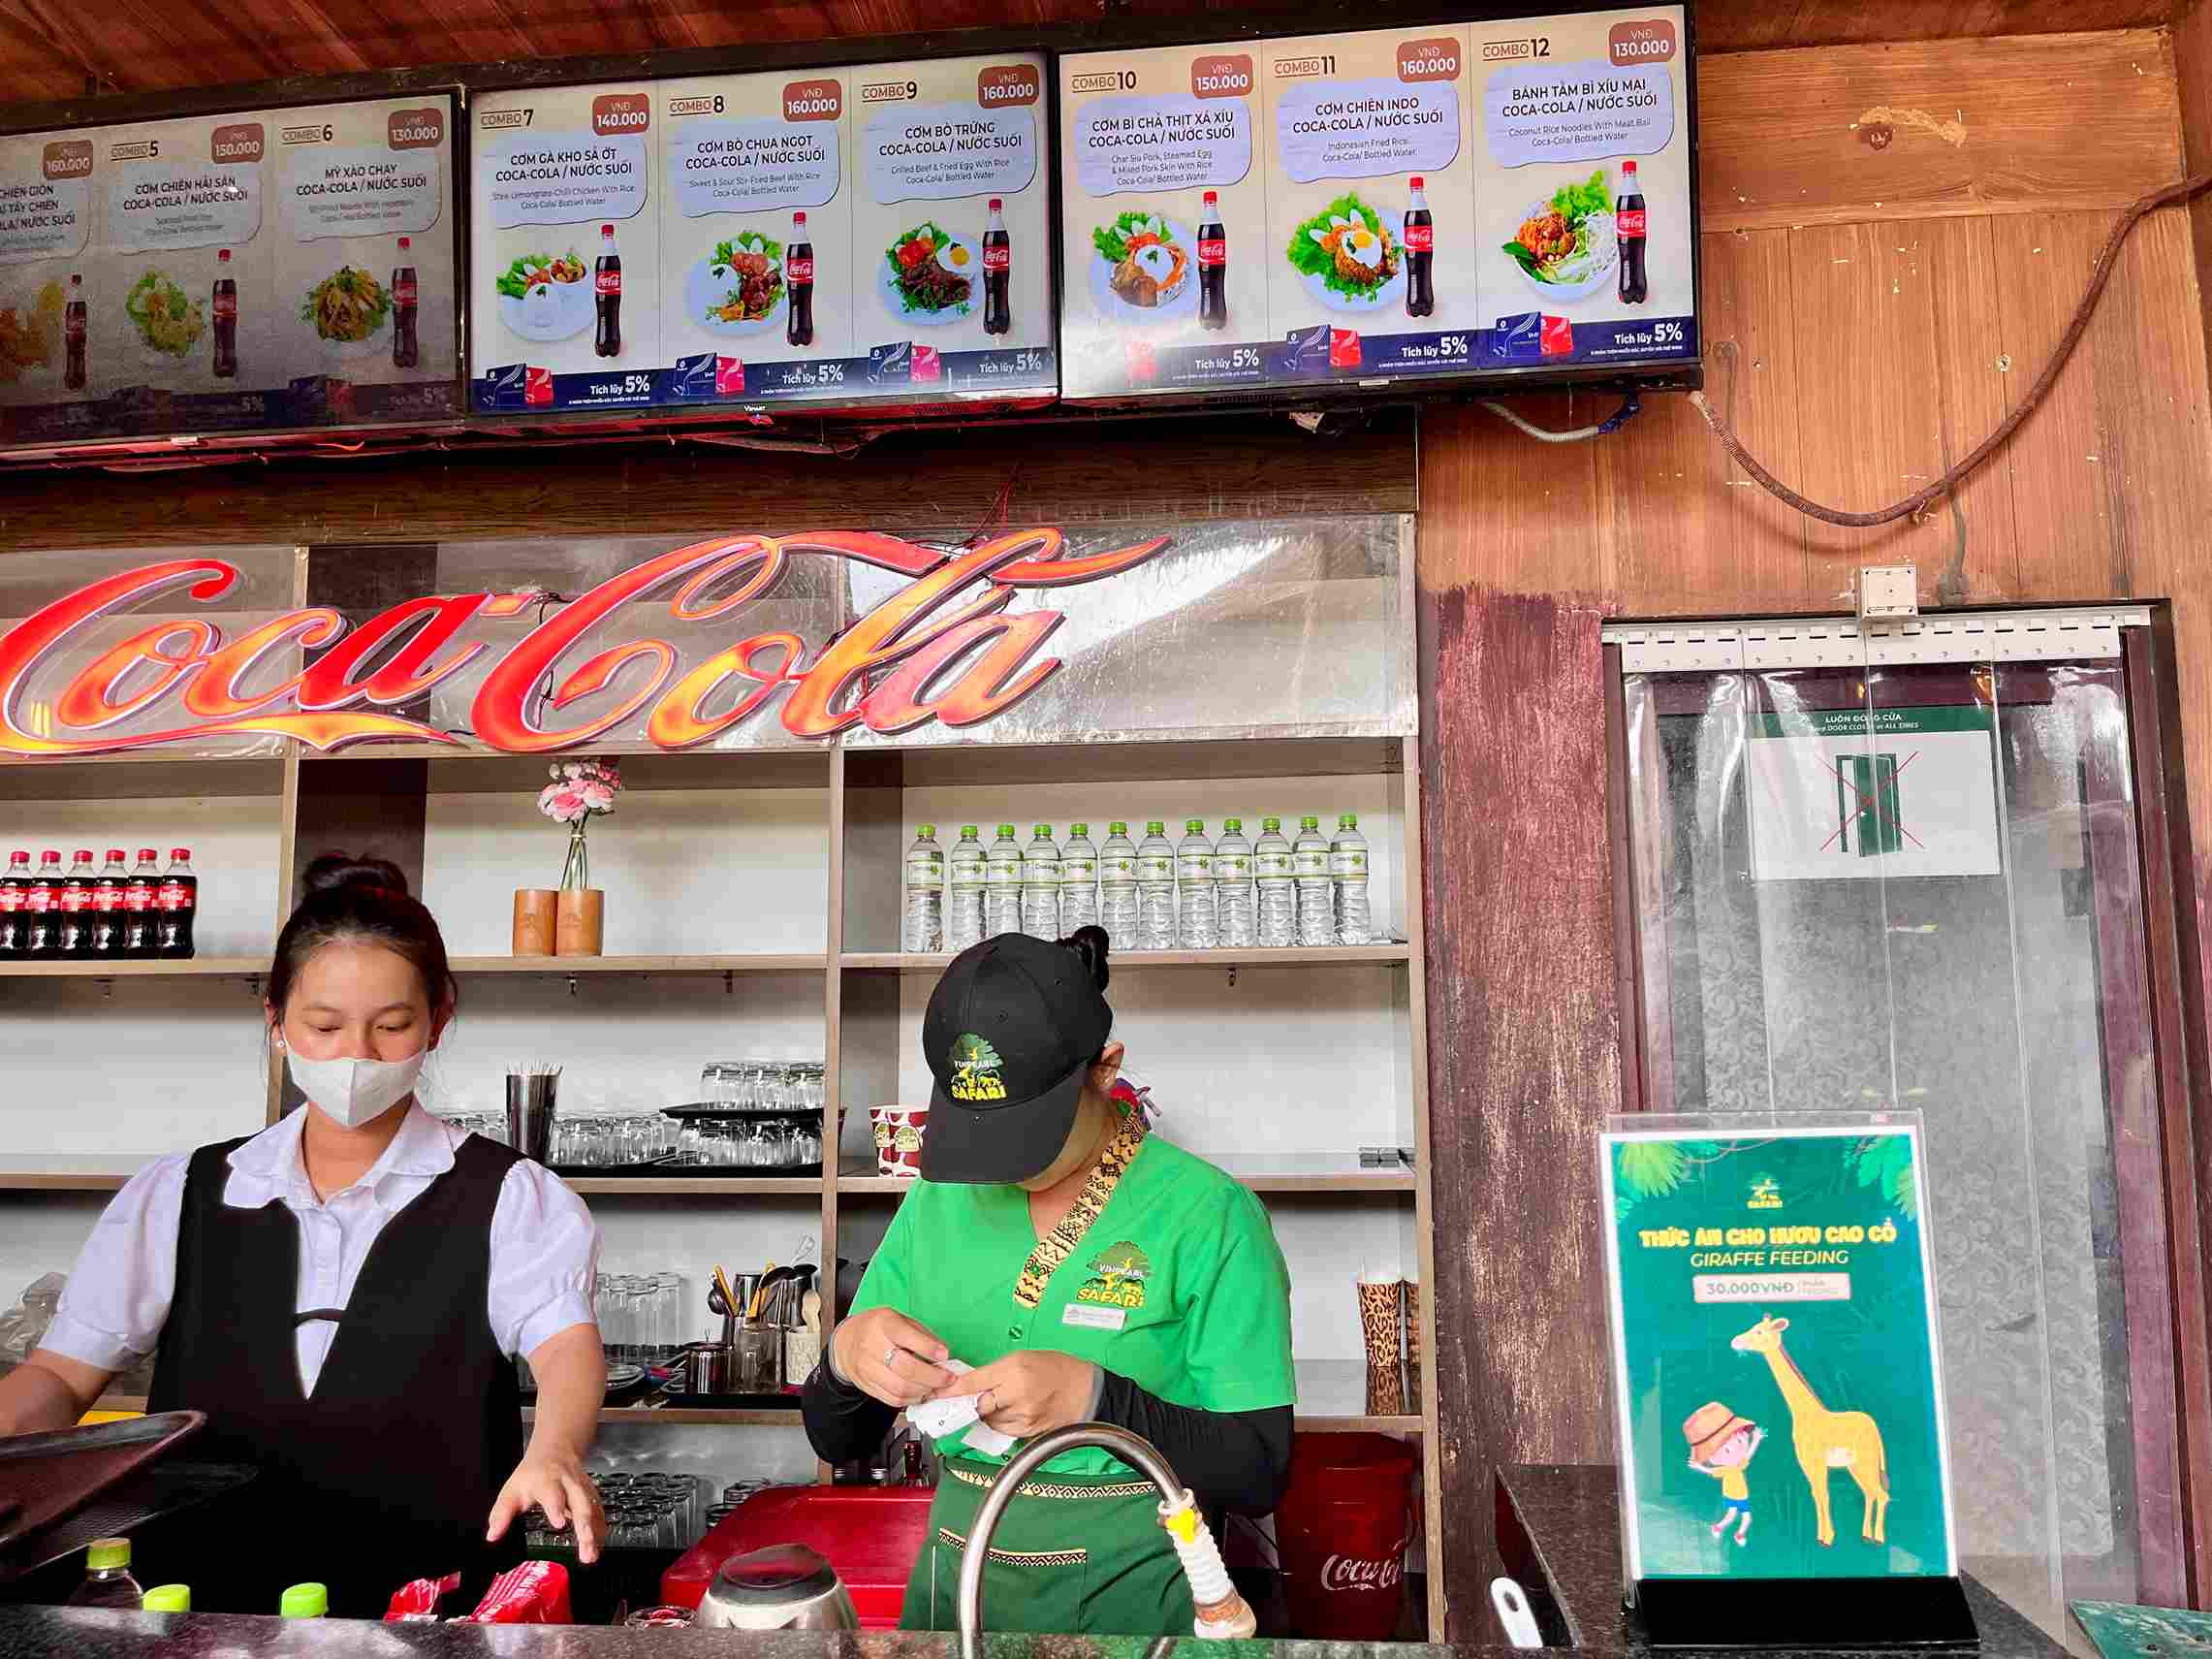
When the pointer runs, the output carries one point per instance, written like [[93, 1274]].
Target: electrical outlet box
[[1889, 592]]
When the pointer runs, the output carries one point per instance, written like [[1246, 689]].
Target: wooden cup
[[535, 929], [580, 926]]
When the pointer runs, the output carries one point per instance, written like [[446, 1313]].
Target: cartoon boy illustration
[[1722, 1445]]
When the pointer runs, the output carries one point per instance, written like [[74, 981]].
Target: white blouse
[[545, 1245]]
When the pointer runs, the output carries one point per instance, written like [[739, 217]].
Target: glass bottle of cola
[[1628, 226], [1212, 266], [798, 278], [1420, 240], [997, 273]]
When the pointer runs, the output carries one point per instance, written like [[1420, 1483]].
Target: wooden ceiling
[[65, 49]]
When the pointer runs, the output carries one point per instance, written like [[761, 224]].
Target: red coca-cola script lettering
[[944, 646]]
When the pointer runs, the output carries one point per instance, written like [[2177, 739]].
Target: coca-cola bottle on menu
[[1420, 238], [41, 908], [176, 902], [74, 937], [12, 887], [1212, 266], [997, 273], [226, 309], [798, 278], [406, 345], [607, 280], [72, 327], [107, 906], [1628, 226], [139, 912]]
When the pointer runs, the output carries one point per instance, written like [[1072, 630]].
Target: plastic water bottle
[[107, 1580], [921, 924], [1078, 880], [1155, 890], [964, 899], [1117, 883], [1002, 885], [1040, 885], [1233, 885], [1199, 925], [1278, 886], [1347, 874], [1316, 893]]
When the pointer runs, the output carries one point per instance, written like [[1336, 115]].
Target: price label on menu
[[1483, 200]]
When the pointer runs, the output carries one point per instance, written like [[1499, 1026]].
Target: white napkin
[[937, 1419]]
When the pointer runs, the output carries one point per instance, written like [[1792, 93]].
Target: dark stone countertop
[[1559, 1528], [87, 1634]]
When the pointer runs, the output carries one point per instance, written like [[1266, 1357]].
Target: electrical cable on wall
[[2006, 428]]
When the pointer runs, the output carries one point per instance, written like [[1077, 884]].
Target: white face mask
[[351, 1092]]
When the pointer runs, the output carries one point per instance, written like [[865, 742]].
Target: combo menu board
[[252, 272], [841, 235], [1468, 200]]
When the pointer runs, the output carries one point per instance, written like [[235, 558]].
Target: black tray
[[700, 1110]]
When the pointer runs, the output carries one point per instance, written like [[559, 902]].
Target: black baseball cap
[[1012, 1027]]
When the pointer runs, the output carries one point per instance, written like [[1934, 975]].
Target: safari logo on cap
[[975, 1068]]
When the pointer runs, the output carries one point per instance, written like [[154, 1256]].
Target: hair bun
[[336, 870], [1092, 943]]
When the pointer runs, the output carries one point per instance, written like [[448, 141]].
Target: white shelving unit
[[753, 904]]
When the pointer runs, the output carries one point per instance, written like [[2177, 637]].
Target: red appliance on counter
[[870, 1533]]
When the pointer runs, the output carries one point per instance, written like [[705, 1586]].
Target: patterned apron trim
[[1054, 1488], [1058, 1245], [952, 1540]]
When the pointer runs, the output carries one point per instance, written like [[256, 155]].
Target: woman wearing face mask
[[343, 1294], [1090, 1273]]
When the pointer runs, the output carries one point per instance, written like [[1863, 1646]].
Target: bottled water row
[[1194, 894]]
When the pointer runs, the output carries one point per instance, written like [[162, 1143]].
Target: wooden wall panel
[[2014, 125], [1524, 1044], [1867, 339], [1687, 521]]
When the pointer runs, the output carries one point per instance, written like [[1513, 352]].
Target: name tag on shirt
[[1094, 1319]]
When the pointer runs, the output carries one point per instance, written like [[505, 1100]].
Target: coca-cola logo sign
[[1358, 1574], [944, 646]]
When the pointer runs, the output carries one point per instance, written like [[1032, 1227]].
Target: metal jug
[[786, 1586]]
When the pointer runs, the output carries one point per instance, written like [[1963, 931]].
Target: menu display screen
[[834, 236], [253, 272], [1469, 200]]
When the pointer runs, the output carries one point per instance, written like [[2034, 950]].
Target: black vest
[[389, 1471]]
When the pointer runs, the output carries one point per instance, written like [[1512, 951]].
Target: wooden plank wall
[[1870, 314]]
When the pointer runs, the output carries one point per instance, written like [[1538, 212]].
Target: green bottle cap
[[105, 1554], [167, 1597], [967, 832], [927, 831], [1117, 827], [1273, 826], [1154, 827], [1006, 832], [304, 1601], [1308, 822], [1347, 820], [1191, 826], [1043, 832], [1232, 826], [1078, 829]]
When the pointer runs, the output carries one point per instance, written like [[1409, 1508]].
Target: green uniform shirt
[[1177, 1286]]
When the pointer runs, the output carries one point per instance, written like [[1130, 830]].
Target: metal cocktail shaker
[[530, 1113]]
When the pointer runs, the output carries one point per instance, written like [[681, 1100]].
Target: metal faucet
[[1133, 1450]]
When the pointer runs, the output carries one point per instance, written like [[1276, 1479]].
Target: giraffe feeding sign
[[1776, 1364]]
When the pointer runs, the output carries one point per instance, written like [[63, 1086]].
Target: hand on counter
[[554, 1482], [1031, 1392], [888, 1357]]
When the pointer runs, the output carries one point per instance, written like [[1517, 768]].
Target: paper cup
[[899, 1132]]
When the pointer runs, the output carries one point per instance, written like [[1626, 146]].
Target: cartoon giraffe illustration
[[1826, 1440]]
